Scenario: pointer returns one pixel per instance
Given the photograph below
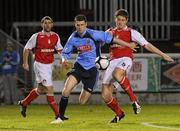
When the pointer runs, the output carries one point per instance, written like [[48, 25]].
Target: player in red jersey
[[121, 63], [45, 43]]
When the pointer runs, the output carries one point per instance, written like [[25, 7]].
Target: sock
[[125, 84], [113, 104], [32, 95], [53, 105], [63, 104]]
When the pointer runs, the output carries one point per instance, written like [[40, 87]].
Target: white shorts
[[43, 73], [124, 63]]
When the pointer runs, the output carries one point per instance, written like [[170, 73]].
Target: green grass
[[90, 118]]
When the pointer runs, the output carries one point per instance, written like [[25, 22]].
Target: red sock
[[53, 105], [125, 84], [32, 95], [113, 104]]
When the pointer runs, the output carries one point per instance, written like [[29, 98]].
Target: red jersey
[[44, 46], [117, 51]]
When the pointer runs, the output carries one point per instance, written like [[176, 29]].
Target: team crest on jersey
[[87, 40], [123, 64]]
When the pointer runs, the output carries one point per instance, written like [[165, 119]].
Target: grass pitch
[[91, 118]]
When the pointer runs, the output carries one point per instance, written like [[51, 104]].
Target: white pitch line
[[156, 126]]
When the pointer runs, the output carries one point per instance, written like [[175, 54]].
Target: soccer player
[[45, 44], [121, 63], [86, 42]]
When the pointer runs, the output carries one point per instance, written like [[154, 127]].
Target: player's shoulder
[[71, 37], [112, 30], [39, 33], [134, 30], [34, 36], [91, 31], [129, 28], [54, 33]]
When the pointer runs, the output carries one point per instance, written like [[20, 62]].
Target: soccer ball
[[102, 62]]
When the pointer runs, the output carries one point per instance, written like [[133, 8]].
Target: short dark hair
[[46, 18], [122, 12], [80, 17]]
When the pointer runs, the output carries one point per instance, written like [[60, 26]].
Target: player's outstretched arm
[[131, 45], [155, 50]]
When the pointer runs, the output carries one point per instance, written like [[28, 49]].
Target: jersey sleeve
[[31, 42], [137, 37], [58, 46], [68, 48], [102, 37]]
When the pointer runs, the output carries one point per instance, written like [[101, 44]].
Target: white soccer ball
[[102, 62]]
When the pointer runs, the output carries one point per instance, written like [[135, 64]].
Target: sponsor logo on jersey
[[84, 48], [47, 50]]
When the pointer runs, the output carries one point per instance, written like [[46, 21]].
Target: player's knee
[[105, 96], [105, 93], [40, 90], [118, 75], [49, 91], [65, 93], [82, 101]]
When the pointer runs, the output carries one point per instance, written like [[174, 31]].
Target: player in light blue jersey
[[86, 42]]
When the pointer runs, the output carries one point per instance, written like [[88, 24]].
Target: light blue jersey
[[86, 46]]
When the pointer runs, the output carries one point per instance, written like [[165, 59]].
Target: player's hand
[[66, 64], [133, 46], [26, 67], [168, 58]]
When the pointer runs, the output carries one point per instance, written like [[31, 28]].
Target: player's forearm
[[121, 42], [155, 50], [25, 56]]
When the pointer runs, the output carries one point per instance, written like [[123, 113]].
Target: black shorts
[[88, 77]]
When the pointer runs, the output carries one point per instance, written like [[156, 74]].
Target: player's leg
[[31, 96], [111, 102], [26, 101], [51, 101], [107, 91], [119, 74], [72, 80], [34, 92], [84, 96], [45, 75], [89, 79], [70, 83]]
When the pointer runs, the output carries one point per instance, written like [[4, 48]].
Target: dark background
[[65, 10]]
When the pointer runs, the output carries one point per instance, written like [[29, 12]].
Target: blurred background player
[[9, 66], [45, 43], [85, 41], [121, 63]]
